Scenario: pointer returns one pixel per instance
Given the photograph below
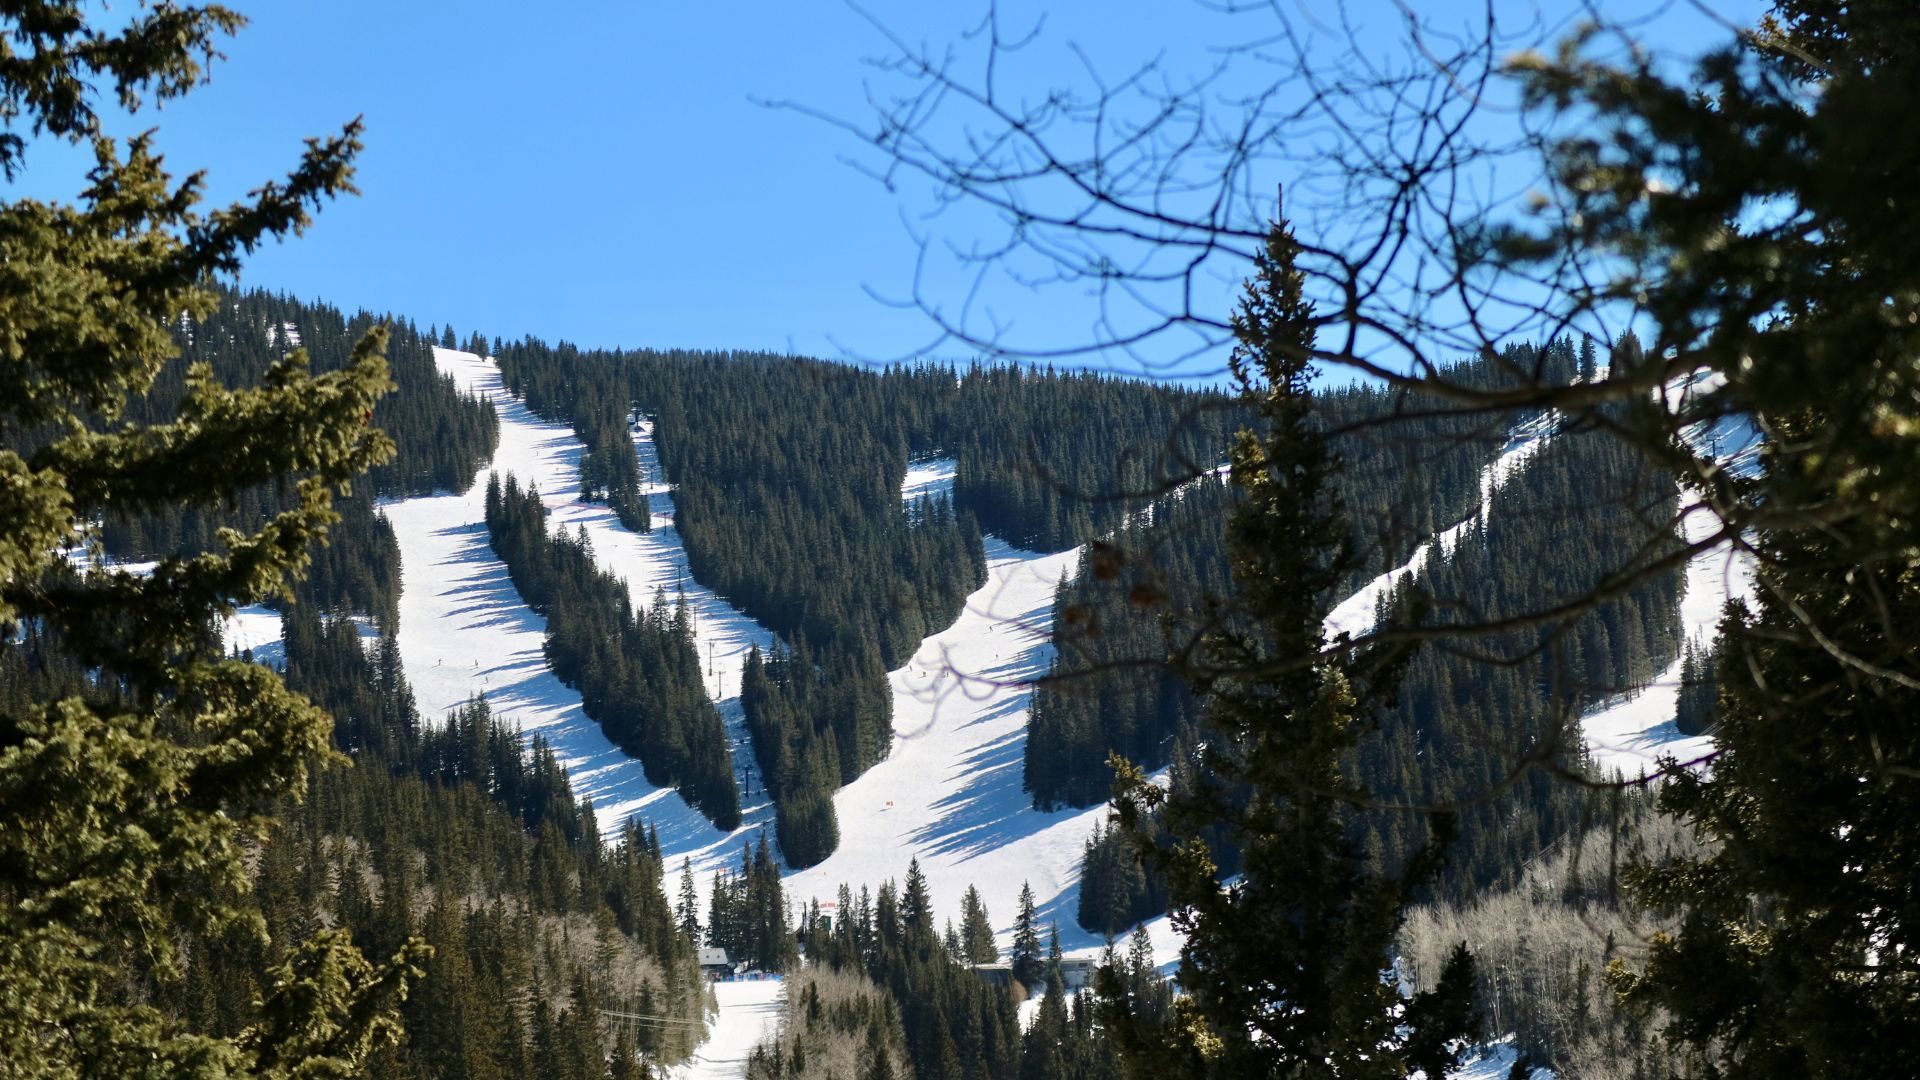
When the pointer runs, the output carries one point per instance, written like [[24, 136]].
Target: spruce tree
[[1284, 966], [976, 929], [1025, 956], [127, 810], [687, 911]]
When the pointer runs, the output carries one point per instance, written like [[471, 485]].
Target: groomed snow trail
[[464, 630], [749, 1015], [1354, 615], [1628, 734], [950, 792]]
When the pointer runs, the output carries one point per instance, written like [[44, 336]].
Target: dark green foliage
[[815, 725], [130, 805], [441, 438], [1797, 919], [747, 913], [638, 672], [1796, 924], [1284, 966], [1407, 469], [1578, 512], [957, 1025], [1050, 460], [976, 930], [591, 394], [467, 835], [1109, 690], [1024, 956], [1699, 690], [1116, 891]]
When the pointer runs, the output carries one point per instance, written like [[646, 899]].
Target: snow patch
[[1495, 1062], [254, 629], [931, 477]]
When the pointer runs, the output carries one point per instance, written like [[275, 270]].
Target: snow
[[950, 791], [1029, 1010], [931, 477], [1495, 1062], [286, 336], [254, 628], [1627, 734], [749, 1015], [464, 630], [1354, 615]]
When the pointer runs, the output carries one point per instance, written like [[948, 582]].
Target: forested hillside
[[637, 671], [466, 834], [441, 439], [1576, 512], [1408, 469]]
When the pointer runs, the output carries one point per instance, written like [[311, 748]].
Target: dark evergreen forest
[[442, 437], [1571, 516], [637, 671]]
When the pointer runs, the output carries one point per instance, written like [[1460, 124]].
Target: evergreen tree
[[1025, 956], [688, 909], [129, 807], [1284, 967], [976, 929], [1796, 922]]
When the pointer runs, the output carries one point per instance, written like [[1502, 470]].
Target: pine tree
[[1283, 967], [1025, 956], [128, 812], [687, 911], [976, 929], [916, 907]]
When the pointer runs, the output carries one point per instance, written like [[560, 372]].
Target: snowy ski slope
[[1628, 734], [1354, 615], [949, 793], [749, 1015], [464, 630]]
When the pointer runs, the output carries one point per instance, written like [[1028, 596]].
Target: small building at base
[[714, 963]]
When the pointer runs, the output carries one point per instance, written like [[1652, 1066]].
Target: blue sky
[[607, 172]]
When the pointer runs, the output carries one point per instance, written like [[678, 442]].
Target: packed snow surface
[[933, 477], [465, 632], [1627, 734], [749, 1015], [1354, 615], [950, 791], [254, 629]]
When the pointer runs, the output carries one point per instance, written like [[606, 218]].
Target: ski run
[[950, 792], [749, 1015]]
